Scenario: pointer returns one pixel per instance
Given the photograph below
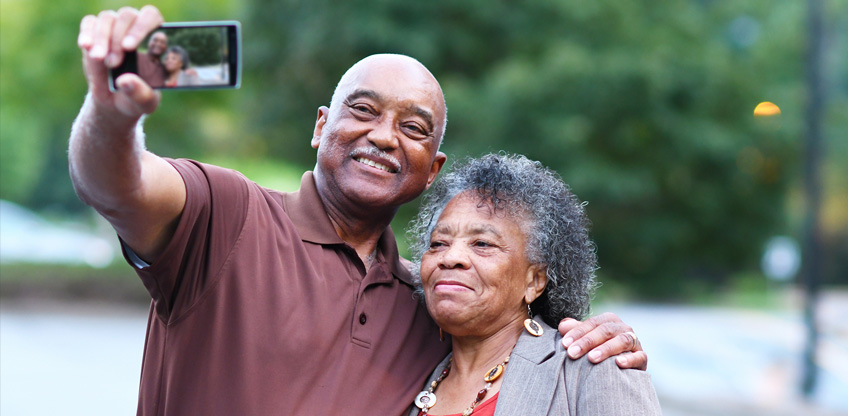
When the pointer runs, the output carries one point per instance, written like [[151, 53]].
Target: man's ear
[[438, 163], [537, 279], [320, 122]]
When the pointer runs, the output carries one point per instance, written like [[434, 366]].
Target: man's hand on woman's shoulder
[[603, 336]]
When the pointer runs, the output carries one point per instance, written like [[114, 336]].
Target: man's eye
[[480, 243], [415, 130], [361, 108]]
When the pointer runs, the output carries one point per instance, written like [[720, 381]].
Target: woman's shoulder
[[604, 388]]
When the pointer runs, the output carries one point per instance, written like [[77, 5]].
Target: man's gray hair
[[550, 215]]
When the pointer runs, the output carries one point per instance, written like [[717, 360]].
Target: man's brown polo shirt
[[151, 70], [259, 308]]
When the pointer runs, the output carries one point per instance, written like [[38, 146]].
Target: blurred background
[[708, 137]]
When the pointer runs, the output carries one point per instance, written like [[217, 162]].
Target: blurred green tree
[[645, 108], [202, 44]]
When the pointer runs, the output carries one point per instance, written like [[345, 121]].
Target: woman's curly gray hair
[[551, 216]]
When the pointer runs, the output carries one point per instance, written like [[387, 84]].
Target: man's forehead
[[396, 80]]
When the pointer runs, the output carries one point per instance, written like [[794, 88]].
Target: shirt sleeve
[[211, 222]]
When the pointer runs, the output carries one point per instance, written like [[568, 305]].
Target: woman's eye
[[480, 243], [436, 244]]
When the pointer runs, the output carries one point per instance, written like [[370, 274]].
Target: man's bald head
[[158, 44], [395, 65]]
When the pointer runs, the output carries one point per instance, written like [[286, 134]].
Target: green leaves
[[644, 107]]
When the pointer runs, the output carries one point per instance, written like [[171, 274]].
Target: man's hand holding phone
[[105, 40], [129, 53]]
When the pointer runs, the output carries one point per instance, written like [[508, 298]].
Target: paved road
[[85, 359], [720, 361], [69, 359]]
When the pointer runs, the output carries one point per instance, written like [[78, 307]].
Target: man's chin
[[378, 199]]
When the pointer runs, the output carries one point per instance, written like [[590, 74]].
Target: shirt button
[[362, 318]]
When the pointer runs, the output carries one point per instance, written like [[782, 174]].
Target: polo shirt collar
[[312, 223]]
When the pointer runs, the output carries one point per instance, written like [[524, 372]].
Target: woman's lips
[[450, 286]]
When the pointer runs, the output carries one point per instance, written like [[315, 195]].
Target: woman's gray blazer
[[541, 380]]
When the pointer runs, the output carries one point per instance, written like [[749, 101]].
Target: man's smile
[[376, 159], [374, 164]]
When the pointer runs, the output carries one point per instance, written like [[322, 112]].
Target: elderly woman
[[504, 255], [179, 74]]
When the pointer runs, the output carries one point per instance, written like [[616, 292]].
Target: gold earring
[[531, 325]]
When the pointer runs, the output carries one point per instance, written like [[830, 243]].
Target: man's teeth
[[374, 164]]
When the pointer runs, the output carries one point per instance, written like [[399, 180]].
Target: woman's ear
[[537, 279]]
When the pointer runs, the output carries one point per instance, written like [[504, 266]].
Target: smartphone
[[186, 56]]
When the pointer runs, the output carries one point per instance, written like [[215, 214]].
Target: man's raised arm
[[139, 193]]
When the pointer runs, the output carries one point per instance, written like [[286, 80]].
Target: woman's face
[[475, 273], [173, 62]]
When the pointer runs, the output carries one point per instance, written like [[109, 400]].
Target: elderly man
[[267, 302], [150, 66]]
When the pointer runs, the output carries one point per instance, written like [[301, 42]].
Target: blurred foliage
[[202, 44], [644, 107]]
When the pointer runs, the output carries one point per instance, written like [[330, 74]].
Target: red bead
[[481, 394]]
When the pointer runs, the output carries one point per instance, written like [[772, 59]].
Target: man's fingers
[[632, 340], [582, 328], [617, 344], [605, 337], [633, 360], [148, 19], [102, 35], [86, 34], [97, 76], [125, 18], [93, 39], [577, 330], [565, 326]]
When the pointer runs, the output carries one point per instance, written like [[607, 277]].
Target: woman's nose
[[454, 256]]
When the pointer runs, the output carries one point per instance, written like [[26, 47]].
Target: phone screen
[[187, 55]]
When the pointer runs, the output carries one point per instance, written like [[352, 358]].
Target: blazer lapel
[[531, 375]]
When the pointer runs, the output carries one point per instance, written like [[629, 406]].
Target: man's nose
[[384, 134]]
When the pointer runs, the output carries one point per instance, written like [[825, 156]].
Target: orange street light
[[766, 109]]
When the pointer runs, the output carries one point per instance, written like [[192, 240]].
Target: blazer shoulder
[[605, 389]]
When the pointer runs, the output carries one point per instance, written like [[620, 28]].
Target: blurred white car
[[25, 237]]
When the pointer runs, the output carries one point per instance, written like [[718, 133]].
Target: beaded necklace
[[427, 399]]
